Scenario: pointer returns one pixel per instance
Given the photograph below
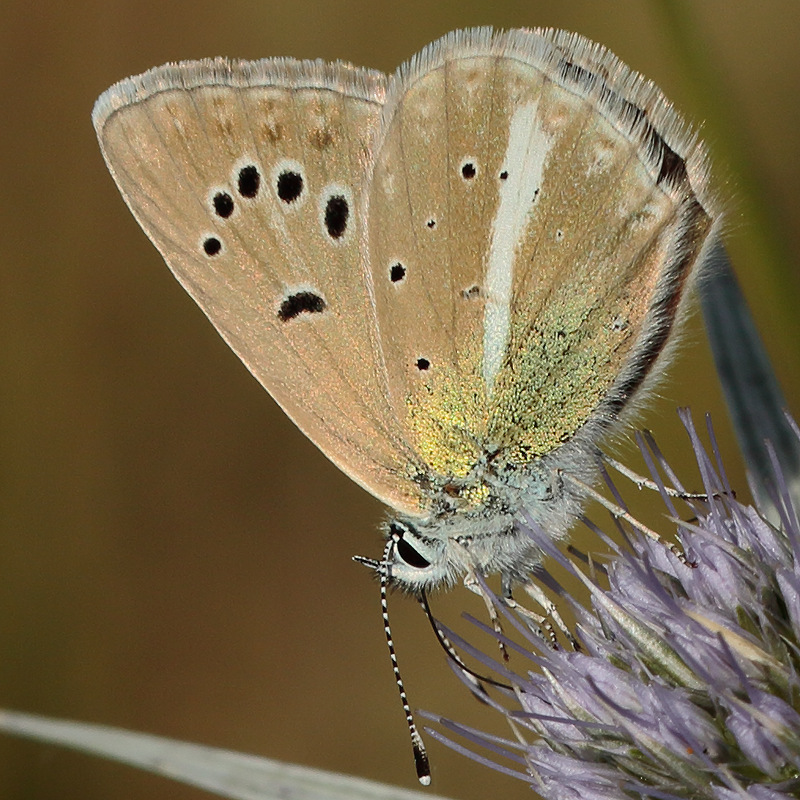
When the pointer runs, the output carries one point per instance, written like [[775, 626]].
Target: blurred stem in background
[[752, 391]]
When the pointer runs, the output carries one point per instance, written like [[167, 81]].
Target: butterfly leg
[[537, 594], [473, 584], [645, 483], [537, 623], [621, 513]]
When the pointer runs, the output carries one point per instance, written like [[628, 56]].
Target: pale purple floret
[[685, 682]]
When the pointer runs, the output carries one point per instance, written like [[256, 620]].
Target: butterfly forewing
[[249, 178]]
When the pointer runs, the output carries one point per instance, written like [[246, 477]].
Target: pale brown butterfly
[[454, 279]]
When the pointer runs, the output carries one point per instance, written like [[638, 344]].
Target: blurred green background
[[174, 555]]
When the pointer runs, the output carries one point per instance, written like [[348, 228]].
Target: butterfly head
[[416, 561], [421, 555]]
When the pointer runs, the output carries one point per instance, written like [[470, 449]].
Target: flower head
[[683, 682]]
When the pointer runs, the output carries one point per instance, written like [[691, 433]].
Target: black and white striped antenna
[[384, 570]]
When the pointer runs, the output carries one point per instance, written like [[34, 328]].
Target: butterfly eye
[[407, 553]]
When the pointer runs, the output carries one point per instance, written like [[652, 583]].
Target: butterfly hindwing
[[603, 262], [542, 200], [432, 200]]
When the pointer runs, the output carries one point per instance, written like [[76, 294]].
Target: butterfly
[[456, 279]]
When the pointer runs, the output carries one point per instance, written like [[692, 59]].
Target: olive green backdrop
[[174, 555]]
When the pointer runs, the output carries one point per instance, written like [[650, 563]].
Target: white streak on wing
[[526, 155]]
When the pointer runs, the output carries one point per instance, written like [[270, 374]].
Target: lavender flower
[[683, 682]]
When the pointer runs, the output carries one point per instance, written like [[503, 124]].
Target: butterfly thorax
[[482, 522]]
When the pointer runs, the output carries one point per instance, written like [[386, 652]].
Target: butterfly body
[[456, 280]]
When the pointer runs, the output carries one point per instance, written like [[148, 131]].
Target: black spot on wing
[[337, 212], [671, 167], [300, 303], [212, 246], [249, 181], [223, 204], [290, 186]]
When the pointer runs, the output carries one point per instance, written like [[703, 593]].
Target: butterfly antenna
[[421, 761], [476, 678]]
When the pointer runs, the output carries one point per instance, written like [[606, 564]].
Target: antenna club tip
[[422, 764]]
